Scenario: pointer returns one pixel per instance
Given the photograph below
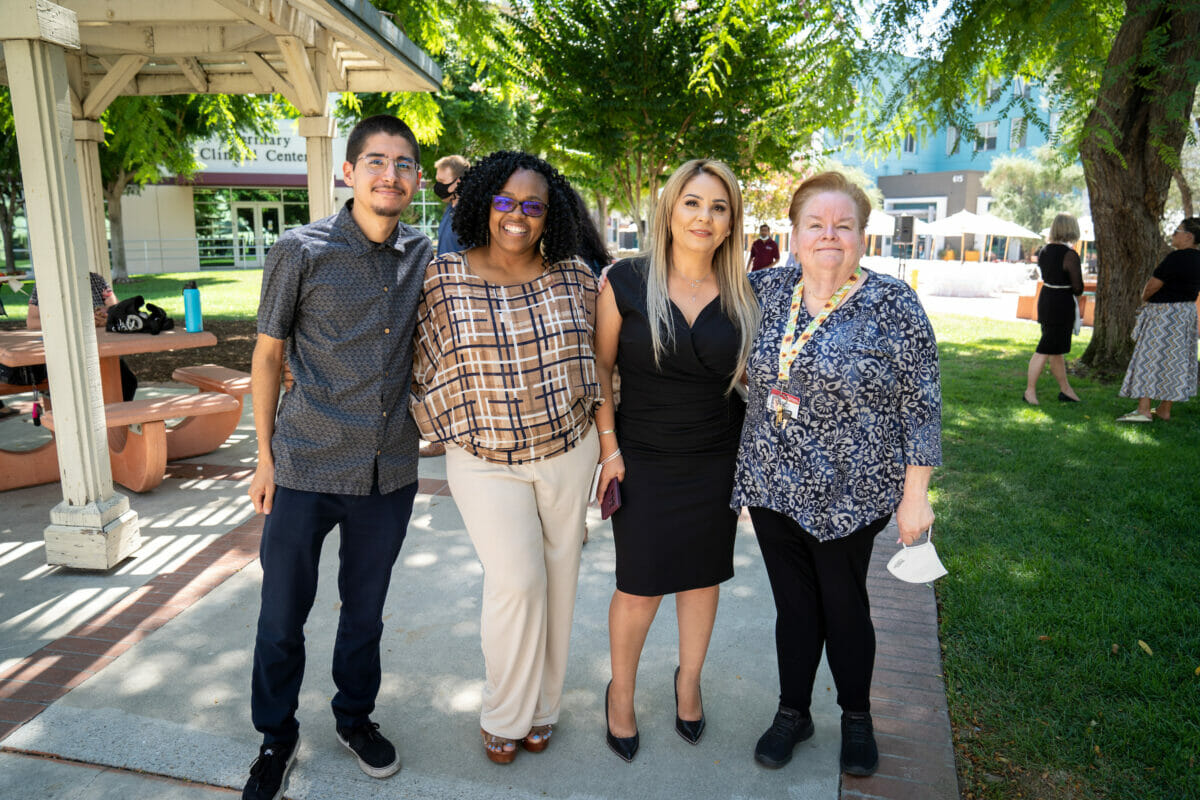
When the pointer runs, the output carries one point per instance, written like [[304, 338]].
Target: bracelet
[[615, 453], [610, 430]]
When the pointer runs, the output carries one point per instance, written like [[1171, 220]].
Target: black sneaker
[[268, 773], [375, 753], [774, 748], [860, 756]]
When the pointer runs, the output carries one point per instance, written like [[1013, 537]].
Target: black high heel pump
[[688, 729], [625, 748]]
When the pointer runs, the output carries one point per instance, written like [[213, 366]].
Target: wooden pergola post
[[93, 527]]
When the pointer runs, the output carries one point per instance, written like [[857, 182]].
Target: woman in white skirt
[[1164, 359]]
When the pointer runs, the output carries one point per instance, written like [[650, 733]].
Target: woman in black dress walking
[[677, 321], [1062, 283]]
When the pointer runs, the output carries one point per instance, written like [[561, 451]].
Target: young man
[[339, 297], [764, 252]]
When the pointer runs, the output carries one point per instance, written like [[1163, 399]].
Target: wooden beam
[[301, 75], [169, 39], [40, 21], [111, 85], [144, 13], [194, 73], [276, 16], [269, 79]]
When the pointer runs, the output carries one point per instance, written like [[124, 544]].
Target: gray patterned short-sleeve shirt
[[346, 306]]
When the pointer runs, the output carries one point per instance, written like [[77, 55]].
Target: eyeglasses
[[530, 208], [377, 165]]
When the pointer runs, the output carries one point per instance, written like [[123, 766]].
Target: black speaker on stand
[[903, 238]]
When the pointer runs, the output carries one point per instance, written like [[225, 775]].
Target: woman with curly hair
[[677, 321], [505, 376]]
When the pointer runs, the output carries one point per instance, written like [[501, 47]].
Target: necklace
[[695, 283]]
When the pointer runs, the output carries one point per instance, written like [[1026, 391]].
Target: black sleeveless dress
[[1056, 307], [678, 431]]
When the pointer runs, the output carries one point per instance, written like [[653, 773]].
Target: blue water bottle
[[192, 320]]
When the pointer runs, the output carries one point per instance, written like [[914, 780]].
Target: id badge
[[782, 403]]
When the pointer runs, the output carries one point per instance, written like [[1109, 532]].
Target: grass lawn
[[224, 294], [1071, 541]]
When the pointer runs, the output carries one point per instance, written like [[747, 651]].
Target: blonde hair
[[830, 182], [737, 298], [1064, 229], [457, 164]]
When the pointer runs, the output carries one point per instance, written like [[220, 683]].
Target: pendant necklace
[[695, 284]]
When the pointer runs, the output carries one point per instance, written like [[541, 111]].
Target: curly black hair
[[560, 237]]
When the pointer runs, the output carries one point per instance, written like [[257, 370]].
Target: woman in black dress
[[1062, 283], [677, 321]]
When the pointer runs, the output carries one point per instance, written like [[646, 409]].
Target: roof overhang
[[302, 49]]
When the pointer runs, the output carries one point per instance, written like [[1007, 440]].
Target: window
[[1016, 136], [951, 140], [987, 135], [910, 143], [992, 89], [1020, 87], [1055, 120]]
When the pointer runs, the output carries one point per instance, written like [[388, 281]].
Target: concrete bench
[[210, 378], [140, 444], [14, 388]]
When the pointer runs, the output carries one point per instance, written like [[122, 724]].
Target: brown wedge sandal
[[495, 746], [538, 738]]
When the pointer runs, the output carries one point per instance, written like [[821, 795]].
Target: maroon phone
[[611, 500]]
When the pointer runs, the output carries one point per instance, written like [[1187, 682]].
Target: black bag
[[127, 317]]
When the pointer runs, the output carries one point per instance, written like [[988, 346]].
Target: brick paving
[[908, 700], [908, 697]]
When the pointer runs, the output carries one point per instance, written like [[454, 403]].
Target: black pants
[[821, 601], [372, 530]]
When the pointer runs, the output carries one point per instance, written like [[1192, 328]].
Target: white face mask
[[917, 564], [764, 236]]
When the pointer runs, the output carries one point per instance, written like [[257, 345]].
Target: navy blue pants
[[821, 603], [372, 530]]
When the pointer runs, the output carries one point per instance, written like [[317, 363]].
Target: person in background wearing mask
[[447, 171], [764, 252]]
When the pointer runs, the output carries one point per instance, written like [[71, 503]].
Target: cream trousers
[[527, 524]]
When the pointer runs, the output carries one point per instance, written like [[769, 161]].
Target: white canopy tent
[[64, 64]]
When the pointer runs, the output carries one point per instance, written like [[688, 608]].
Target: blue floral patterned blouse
[[870, 404]]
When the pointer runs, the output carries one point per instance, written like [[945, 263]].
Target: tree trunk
[[1128, 181], [116, 226], [7, 214], [1185, 192]]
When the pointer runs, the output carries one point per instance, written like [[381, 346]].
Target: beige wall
[[160, 230]]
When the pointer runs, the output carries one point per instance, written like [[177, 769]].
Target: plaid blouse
[[505, 372]]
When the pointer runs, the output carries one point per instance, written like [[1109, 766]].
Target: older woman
[[1058, 306], [505, 376], [843, 429], [678, 322], [1164, 357]]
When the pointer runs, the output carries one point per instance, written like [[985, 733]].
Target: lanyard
[[792, 344]]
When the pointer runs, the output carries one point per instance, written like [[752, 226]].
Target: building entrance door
[[256, 226]]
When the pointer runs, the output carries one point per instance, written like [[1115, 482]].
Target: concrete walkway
[[134, 683]]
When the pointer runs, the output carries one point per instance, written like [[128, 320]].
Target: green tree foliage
[[10, 178], [1123, 76], [769, 195], [626, 90], [1031, 191], [147, 138], [476, 108]]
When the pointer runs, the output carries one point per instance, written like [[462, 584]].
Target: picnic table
[[139, 441]]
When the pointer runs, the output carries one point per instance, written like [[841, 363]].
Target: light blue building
[[939, 173]]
